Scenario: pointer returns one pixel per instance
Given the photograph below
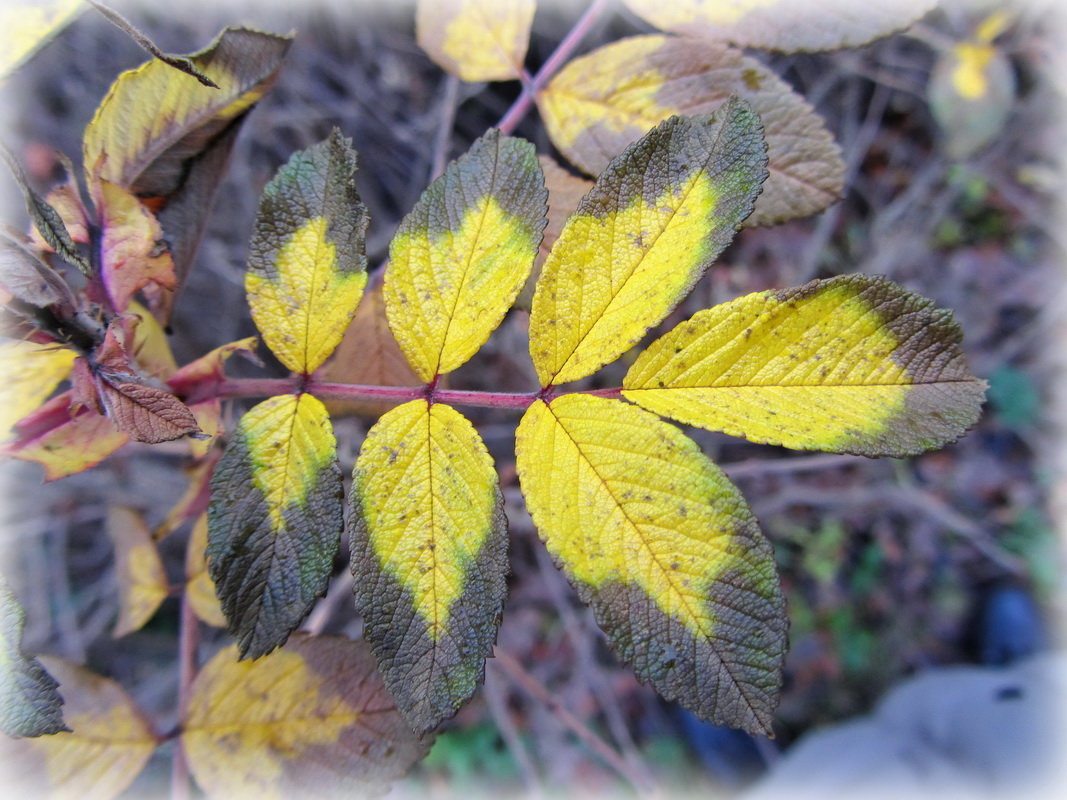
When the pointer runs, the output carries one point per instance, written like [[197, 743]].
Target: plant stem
[[267, 387], [188, 641], [531, 86]]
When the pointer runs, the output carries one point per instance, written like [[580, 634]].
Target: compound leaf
[[166, 138], [306, 265], [108, 744], [853, 364], [654, 536], [30, 373], [275, 519], [29, 703], [429, 555], [139, 568], [783, 25], [461, 256], [476, 40], [603, 101], [311, 719], [657, 217]]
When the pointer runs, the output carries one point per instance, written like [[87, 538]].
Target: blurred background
[[891, 567]]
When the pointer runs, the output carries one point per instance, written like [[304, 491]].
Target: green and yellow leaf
[[156, 119], [854, 364], [275, 519], [972, 93], [476, 40], [108, 744], [29, 373], [461, 256], [310, 720], [657, 217], [306, 266], [27, 26], [138, 567], [429, 556], [783, 25], [664, 548], [601, 102], [29, 703], [166, 138], [199, 588]]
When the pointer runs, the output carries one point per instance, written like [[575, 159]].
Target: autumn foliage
[[688, 140]]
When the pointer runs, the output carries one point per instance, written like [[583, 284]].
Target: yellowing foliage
[[851, 364], [29, 373], [463, 253], [476, 40], [313, 716], [429, 556], [635, 247], [303, 306], [108, 744], [663, 546]]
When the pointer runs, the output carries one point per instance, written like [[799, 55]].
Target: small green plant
[[647, 528]]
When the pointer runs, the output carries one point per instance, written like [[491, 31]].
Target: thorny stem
[[531, 86], [188, 640]]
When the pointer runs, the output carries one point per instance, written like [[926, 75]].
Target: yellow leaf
[[429, 554], [601, 102], [29, 373], [664, 548], [139, 570], [852, 364], [641, 238], [306, 267], [972, 62], [151, 350], [66, 444], [310, 720], [461, 256], [27, 26], [107, 747], [154, 116], [199, 589], [367, 355], [785, 25], [275, 519], [476, 40]]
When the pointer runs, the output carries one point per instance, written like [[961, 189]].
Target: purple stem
[[531, 86]]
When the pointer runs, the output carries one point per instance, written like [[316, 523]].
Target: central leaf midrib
[[703, 628]]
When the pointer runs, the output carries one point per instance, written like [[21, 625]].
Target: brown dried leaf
[[145, 413], [368, 355]]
